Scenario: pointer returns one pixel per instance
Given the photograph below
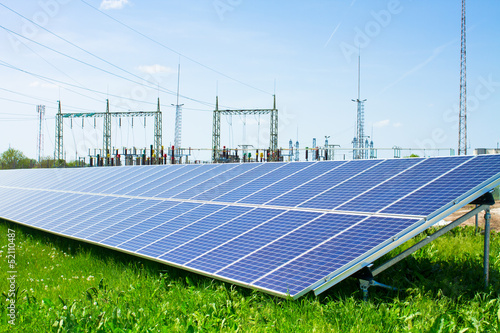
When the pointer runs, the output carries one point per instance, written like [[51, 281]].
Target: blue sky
[[410, 53]]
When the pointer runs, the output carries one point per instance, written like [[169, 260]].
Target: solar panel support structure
[[484, 201], [486, 257], [273, 133], [158, 126], [366, 281], [58, 149]]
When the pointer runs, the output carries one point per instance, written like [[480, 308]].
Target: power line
[[174, 51], [51, 80], [95, 56]]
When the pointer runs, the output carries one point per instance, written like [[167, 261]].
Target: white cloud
[[155, 69], [113, 4], [382, 123], [38, 84], [397, 124]]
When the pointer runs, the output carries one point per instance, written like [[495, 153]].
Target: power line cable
[[96, 56], [174, 51]]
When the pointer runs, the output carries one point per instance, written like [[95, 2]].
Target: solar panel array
[[284, 228]]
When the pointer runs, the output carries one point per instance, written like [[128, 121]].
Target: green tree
[[14, 159]]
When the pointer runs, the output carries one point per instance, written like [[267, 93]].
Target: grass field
[[67, 286]]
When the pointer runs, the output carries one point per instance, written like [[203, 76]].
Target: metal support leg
[[475, 230], [365, 284], [487, 217]]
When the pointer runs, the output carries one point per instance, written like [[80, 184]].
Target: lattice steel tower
[[462, 125], [39, 144], [359, 141], [178, 115], [58, 149]]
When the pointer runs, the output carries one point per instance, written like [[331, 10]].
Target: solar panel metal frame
[[334, 277]]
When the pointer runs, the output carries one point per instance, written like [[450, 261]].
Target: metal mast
[[58, 149], [359, 140], [106, 142], [273, 133], [178, 115], [158, 130], [41, 112], [462, 126]]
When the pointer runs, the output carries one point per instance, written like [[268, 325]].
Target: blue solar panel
[[216, 180], [124, 219], [252, 240], [159, 184], [236, 182], [164, 211], [447, 188], [327, 180], [386, 193], [209, 172], [260, 184], [311, 171], [176, 238], [347, 188], [285, 228], [220, 235], [103, 218], [340, 249], [150, 231]]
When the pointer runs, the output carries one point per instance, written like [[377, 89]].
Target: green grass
[[67, 286]]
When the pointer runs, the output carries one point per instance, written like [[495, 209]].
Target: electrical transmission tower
[[462, 125], [178, 116], [359, 141], [107, 148], [273, 131], [41, 112], [58, 149]]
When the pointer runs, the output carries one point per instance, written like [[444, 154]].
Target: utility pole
[[462, 126]]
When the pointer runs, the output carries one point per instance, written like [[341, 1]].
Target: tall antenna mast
[[178, 114], [358, 142], [462, 126], [41, 113], [359, 75]]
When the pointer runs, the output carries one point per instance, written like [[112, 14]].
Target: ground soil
[[494, 222]]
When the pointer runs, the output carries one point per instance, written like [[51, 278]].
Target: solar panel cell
[[246, 243], [335, 252], [181, 236], [290, 182], [150, 231], [261, 183], [288, 247], [327, 180], [220, 235], [399, 186], [348, 188]]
